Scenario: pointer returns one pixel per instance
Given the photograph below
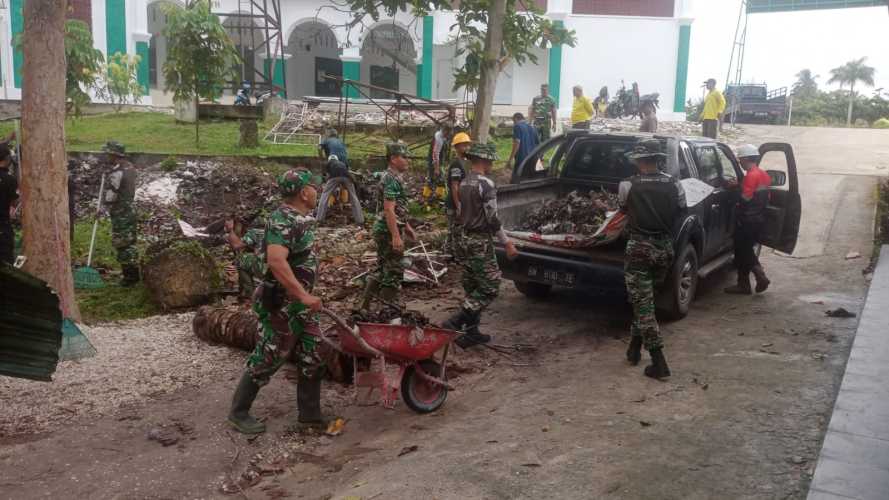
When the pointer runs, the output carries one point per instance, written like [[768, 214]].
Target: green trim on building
[[115, 27], [682, 68], [351, 71], [555, 68], [278, 75], [142, 71], [424, 70], [17, 23]]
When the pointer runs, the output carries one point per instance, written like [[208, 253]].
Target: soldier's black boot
[[472, 336], [658, 367], [239, 417], [743, 286], [634, 351], [762, 281], [130, 275], [308, 400], [457, 321]]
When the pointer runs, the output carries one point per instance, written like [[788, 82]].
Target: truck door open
[[784, 210]]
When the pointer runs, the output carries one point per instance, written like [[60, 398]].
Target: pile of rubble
[[576, 213]]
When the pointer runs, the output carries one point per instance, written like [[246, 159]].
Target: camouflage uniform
[[456, 173], [251, 267], [284, 324], [647, 265], [389, 271], [543, 107], [120, 195]]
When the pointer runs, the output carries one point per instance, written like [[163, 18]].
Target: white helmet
[[748, 151], [332, 158]]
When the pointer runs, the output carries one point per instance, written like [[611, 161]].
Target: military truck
[[755, 103]]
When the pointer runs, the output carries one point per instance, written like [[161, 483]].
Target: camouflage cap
[[293, 180], [649, 148], [483, 151], [114, 147], [396, 149]]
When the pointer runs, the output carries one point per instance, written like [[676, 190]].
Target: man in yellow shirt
[[714, 106], [582, 110]]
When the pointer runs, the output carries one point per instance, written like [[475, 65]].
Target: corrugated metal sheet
[[30, 326], [757, 6]]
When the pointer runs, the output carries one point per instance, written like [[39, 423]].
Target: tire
[[682, 285], [420, 395], [533, 290]]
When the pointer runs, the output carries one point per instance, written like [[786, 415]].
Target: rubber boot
[[308, 401], [457, 321], [473, 336], [658, 367], [634, 351], [239, 417], [371, 290], [762, 281], [743, 286]]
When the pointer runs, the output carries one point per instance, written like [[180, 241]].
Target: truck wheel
[[533, 290], [682, 284]]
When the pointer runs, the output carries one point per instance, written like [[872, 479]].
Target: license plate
[[561, 278]]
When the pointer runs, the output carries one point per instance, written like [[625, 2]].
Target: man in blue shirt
[[333, 146], [524, 139]]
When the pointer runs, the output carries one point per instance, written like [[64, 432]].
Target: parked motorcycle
[[243, 96], [625, 102]]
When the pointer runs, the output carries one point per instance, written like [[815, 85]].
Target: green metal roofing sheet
[[757, 6], [30, 326]]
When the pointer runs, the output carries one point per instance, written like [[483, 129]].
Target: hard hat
[[748, 151], [461, 138]]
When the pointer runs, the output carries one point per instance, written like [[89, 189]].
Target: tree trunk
[[851, 103], [490, 67], [44, 173]]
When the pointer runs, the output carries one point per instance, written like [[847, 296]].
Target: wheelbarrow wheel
[[419, 394]]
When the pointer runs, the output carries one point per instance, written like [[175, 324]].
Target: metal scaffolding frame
[[262, 17]]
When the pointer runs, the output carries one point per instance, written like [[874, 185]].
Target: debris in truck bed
[[575, 213]]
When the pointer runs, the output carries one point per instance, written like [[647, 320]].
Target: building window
[[647, 8]]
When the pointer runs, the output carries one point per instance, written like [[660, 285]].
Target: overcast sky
[[781, 44]]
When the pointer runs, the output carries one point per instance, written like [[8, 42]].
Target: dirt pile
[[576, 213]]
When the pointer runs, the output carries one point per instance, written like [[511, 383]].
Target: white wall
[[609, 49], [445, 62], [301, 65], [529, 77]]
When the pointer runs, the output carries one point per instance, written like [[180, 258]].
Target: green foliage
[[693, 110], [83, 64], [882, 123], [849, 74], [104, 255], [806, 85], [115, 303], [169, 164], [120, 81], [831, 108]]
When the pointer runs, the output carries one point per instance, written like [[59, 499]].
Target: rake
[[87, 278]]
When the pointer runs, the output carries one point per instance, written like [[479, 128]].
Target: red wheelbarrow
[[421, 380]]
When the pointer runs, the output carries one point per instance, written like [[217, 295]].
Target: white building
[[644, 41]]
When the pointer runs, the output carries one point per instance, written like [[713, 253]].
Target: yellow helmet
[[460, 138]]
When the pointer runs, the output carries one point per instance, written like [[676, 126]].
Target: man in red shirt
[[750, 220]]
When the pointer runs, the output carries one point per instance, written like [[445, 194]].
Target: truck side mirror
[[778, 177]]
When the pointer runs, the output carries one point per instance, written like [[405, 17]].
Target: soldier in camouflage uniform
[[543, 113], [119, 196], [389, 230], [653, 201], [251, 268], [480, 224], [286, 307]]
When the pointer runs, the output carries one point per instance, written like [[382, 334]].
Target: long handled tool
[[87, 277]]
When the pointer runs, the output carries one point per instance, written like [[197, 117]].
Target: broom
[[87, 277]]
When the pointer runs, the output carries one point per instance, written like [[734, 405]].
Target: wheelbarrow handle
[[353, 331]]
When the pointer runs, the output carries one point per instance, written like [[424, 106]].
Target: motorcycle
[[625, 102], [243, 96]]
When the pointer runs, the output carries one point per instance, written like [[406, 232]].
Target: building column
[[276, 67], [115, 27], [555, 67], [141, 41], [17, 26], [682, 65], [351, 70], [424, 70]]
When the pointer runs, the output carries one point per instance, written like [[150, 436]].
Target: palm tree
[[805, 85], [852, 72]]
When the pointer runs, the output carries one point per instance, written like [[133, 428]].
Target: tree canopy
[[806, 84]]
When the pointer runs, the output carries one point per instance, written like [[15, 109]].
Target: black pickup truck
[[703, 236]]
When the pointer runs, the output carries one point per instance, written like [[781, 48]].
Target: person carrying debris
[[542, 114], [286, 308], [249, 262], [581, 110], [332, 145], [338, 177], [389, 230], [749, 222], [456, 173], [438, 152], [8, 196], [652, 200], [714, 106], [524, 140], [478, 217], [120, 193]]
